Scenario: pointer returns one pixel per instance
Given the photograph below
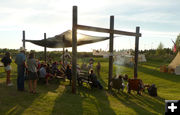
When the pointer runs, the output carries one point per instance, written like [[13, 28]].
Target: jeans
[[20, 78]]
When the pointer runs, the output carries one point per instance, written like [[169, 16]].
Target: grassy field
[[57, 99]]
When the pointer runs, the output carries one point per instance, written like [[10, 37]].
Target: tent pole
[[136, 52], [74, 49], [45, 51], [23, 38], [63, 48], [111, 51]]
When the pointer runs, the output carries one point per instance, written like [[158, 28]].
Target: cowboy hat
[[22, 49]]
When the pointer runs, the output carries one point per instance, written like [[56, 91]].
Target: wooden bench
[[84, 78]]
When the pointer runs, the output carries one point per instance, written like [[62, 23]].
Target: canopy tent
[[175, 62], [65, 40]]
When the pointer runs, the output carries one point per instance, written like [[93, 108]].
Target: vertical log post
[[63, 48], [136, 52], [74, 49], [45, 51], [111, 51], [23, 39]]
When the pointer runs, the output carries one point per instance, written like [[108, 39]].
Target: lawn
[[57, 99]]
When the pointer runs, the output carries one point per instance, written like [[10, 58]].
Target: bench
[[84, 78]]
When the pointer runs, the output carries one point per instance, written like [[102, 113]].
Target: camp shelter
[[175, 62], [65, 40]]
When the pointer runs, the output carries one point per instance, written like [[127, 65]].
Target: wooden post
[[24, 39], [63, 48], [74, 49], [111, 51], [136, 52], [45, 53]]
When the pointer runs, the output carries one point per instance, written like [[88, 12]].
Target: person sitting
[[95, 82], [55, 68], [68, 73], [121, 79], [45, 73], [125, 78], [117, 82]]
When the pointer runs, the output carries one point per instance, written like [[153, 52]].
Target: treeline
[[54, 55], [161, 55]]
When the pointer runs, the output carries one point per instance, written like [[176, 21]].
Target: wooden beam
[[98, 29], [74, 49], [111, 51], [45, 49], [63, 48], [23, 39], [136, 53]]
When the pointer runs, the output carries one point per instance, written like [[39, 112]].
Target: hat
[[22, 49]]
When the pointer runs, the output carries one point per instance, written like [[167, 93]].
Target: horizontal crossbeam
[[98, 29]]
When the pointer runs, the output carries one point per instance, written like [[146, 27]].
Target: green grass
[[57, 99]]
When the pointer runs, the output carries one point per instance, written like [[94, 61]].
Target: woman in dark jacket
[[6, 60]]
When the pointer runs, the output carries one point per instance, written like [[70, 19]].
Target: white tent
[[177, 70], [141, 58], [175, 62]]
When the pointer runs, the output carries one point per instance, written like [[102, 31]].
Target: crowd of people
[[33, 69]]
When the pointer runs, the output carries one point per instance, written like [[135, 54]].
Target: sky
[[158, 21]]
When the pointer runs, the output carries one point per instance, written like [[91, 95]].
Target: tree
[[178, 43], [160, 46], [159, 50]]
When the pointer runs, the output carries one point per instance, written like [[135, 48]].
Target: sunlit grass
[[57, 99]]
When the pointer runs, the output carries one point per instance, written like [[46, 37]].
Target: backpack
[[152, 90]]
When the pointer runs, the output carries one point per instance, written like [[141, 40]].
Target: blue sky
[[158, 21]]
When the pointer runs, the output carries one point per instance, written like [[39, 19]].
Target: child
[[7, 61]]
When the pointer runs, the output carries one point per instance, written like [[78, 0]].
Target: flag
[[174, 48]]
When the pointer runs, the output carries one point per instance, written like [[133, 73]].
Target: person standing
[[6, 60], [98, 68], [66, 57], [32, 73], [21, 65]]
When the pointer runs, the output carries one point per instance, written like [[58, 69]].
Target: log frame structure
[[45, 48], [111, 31]]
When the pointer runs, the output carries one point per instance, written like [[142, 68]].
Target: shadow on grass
[[159, 74], [86, 101], [15, 102], [67, 103], [142, 105]]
